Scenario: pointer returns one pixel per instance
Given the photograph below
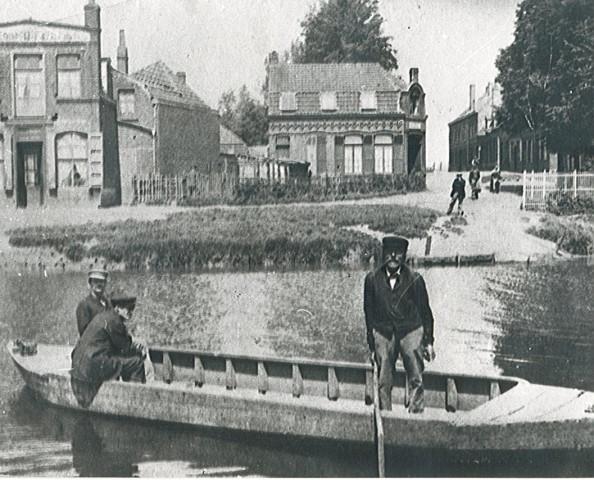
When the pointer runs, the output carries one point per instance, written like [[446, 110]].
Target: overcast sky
[[222, 44]]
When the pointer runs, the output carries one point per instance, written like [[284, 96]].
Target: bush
[[573, 235], [564, 203]]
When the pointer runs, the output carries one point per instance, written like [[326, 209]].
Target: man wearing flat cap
[[106, 351], [399, 322], [458, 194], [95, 302]]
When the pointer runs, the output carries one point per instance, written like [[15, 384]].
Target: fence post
[[544, 184], [524, 190], [574, 183], [532, 184]]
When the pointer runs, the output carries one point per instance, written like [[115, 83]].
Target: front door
[[414, 153], [28, 173]]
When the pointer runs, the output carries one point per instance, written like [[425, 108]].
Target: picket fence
[[537, 186]]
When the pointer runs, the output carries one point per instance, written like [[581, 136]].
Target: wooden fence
[[538, 186]]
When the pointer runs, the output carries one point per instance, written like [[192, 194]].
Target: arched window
[[72, 161], [353, 154], [383, 154]]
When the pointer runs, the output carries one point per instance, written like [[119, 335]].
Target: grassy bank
[[249, 237], [574, 234]]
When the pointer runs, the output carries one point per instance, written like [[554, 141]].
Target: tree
[[244, 116], [344, 31], [547, 74]]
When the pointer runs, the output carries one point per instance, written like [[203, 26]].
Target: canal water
[[533, 321]]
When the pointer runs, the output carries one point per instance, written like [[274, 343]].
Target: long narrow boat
[[327, 400]]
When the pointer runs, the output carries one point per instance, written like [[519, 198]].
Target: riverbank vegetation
[[248, 237]]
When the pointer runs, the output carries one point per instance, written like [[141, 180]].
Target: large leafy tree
[[341, 31], [244, 116], [547, 73]]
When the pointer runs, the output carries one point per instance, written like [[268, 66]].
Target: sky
[[222, 44]]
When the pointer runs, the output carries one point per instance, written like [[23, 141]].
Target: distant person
[[495, 182], [95, 302], [399, 321], [458, 194], [473, 178], [106, 351]]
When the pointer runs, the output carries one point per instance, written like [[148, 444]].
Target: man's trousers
[[410, 347]]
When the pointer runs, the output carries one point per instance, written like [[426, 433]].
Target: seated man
[[95, 302], [105, 351]]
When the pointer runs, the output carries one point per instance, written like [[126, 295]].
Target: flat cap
[[123, 299], [98, 273], [393, 244]]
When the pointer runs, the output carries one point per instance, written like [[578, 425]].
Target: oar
[[379, 426]]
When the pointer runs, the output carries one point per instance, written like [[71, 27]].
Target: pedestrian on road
[[473, 178], [458, 194], [106, 351], [399, 321], [495, 180], [95, 302]]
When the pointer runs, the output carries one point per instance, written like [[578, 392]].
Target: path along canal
[[531, 321]]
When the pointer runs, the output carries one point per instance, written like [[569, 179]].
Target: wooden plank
[[198, 372], [368, 388], [167, 368], [495, 390], [333, 386], [262, 378], [230, 379], [379, 425], [451, 395], [297, 381]]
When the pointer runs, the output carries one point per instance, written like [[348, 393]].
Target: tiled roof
[[332, 77], [164, 84], [229, 138]]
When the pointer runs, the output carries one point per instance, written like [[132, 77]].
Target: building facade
[[163, 126], [475, 133], [58, 134], [346, 119]]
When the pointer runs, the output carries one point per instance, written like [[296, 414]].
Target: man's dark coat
[[87, 309]]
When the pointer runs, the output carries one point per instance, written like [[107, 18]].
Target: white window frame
[[353, 154], [34, 78], [69, 78], [287, 102], [383, 153], [328, 101], [74, 157], [368, 100]]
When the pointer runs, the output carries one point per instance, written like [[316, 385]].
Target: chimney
[[273, 58], [122, 54], [92, 15], [414, 75], [181, 77], [472, 97]]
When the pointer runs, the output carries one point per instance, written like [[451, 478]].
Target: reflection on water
[[531, 322]]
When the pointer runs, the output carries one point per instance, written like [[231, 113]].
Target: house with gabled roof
[[164, 127], [346, 118]]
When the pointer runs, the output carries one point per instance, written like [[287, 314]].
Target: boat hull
[[524, 417]]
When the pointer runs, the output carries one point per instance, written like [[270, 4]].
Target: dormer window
[[287, 102], [328, 101], [368, 101]]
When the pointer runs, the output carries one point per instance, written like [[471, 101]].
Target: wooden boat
[[327, 400]]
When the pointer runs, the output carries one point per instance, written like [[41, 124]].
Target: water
[[533, 322]]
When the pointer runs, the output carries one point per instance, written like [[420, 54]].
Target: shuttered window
[[287, 102]]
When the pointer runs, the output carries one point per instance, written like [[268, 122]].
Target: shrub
[[564, 203]]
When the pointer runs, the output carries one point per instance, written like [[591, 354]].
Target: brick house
[[163, 126], [58, 135], [346, 119]]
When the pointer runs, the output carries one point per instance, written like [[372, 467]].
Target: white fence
[[538, 186]]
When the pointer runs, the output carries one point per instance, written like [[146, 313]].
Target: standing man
[[473, 178], [94, 303], [106, 351], [399, 321], [458, 194]]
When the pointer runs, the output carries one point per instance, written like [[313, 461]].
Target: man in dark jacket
[[458, 194], [105, 351], [473, 178], [95, 302], [399, 321]]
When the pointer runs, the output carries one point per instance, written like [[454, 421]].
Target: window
[[353, 154], [415, 98], [283, 146], [69, 76], [328, 101], [368, 101], [29, 86], [287, 102], [71, 152], [1, 162], [126, 103], [383, 154], [31, 172]]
